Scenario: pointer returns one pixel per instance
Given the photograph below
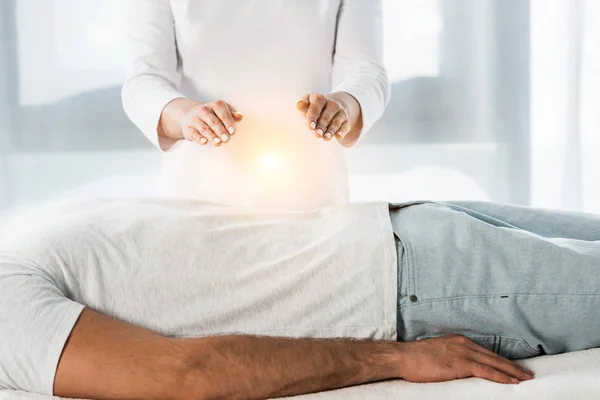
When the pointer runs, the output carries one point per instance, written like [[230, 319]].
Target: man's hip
[[478, 269]]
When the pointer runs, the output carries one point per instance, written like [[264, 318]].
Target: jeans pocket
[[515, 349], [507, 347]]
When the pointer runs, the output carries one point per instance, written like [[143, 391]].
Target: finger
[[303, 104], [330, 110], [214, 122], [317, 104], [204, 130], [336, 123], [193, 135], [222, 111], [483, 350], [491, 374], [485, 356], [343, 131], [237, 116]]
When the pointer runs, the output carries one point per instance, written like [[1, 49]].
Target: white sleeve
[[153, 75], [36, 320], [358, 62]]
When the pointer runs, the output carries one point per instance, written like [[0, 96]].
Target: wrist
[[346, 101], [354, 111], [385, 360], [171, 119], [397, 359]]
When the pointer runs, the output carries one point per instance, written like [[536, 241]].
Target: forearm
[[109, 359], [169, 125], [246, 367]]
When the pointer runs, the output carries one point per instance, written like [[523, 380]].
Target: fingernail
[[313, 125], [224, 137], [513, 380], [217, 140], [530, 372], [328, 135], [203, 141], [320, 131], [231, 130]]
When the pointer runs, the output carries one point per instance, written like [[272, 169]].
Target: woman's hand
[[213, 122], [454, 357], [333, 115]]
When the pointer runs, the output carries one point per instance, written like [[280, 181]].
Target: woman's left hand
[[328, 115]]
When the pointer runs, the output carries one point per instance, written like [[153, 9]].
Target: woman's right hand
[[213, 122]]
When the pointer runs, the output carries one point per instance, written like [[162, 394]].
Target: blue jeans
[[519, 281]]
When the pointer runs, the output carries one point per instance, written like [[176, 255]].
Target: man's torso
[[185, 268]]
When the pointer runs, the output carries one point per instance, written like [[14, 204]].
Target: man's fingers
[[484, 371], [317, 104], [501, 364], [529, 374], [488, 357], [221, 110]]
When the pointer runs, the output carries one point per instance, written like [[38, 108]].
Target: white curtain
[[451, 131], [565, 121], [503, 103]]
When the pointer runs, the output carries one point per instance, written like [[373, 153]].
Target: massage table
[[573, 376]]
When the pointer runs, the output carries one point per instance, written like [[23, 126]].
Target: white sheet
[[573, 376]]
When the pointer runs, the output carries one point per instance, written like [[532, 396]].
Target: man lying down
[[160, 299]]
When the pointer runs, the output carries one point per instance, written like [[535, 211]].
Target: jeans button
[[414, 299]]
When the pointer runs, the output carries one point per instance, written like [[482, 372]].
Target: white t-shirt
[[261, 56], [188, 269]]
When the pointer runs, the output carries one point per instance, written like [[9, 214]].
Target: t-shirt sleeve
[[36, 320]]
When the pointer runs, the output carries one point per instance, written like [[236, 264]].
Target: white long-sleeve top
[[261, 56]]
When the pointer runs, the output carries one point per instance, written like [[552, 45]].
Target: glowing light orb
[[270, 162]]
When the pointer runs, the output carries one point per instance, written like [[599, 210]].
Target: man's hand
[[206, 123], [454, 357], [333, 115]]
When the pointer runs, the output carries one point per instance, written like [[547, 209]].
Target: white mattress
[[573, 376]]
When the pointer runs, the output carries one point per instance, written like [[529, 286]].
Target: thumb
[[237, 116], [303, 104]]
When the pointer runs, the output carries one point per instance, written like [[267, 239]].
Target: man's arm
[[109, 359]]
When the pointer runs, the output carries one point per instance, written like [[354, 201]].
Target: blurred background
[[491, 100]]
